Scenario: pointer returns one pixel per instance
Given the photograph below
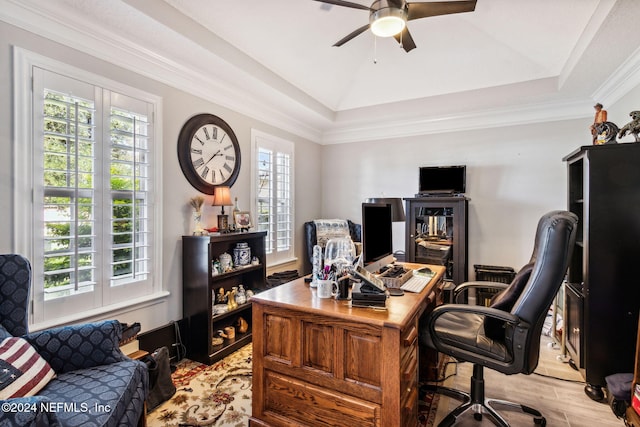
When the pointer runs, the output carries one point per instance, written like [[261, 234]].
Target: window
[[273, 194], [89, 166]]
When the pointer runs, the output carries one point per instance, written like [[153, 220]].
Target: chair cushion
[[505, 301], [22, 371], [466, 331], [101, 395]]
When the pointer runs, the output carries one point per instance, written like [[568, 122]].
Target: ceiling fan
[[389, 18]]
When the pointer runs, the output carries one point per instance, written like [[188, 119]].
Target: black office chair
[[505, 336]]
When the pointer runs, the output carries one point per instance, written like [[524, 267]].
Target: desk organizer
[[395, 282]]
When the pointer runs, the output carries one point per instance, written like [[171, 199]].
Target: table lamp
[[222, 197], [397, 210]]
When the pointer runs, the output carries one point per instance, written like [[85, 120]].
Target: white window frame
[[279, 145], [26, 237]]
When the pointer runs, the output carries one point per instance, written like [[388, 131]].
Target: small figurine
[[633, 127], [215, 268], [241, 296], [231, 299], [600, 117], [243, 326], [221, 298], [606, 133]]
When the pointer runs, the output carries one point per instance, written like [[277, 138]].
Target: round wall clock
[[208, 152]]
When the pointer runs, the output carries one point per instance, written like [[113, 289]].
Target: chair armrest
[[463, 287], [28, 411], [68, 348]]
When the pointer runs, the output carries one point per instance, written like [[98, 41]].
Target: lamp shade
[[221, 196], [397, 210]]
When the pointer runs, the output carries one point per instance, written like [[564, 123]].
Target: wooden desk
[[319, 362]]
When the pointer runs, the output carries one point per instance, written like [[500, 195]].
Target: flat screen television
[[442, 179], [377, 243]]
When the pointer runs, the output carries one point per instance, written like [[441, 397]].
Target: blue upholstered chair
[[95, 383]]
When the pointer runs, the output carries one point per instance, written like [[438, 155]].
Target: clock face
[[208, 152], [212, 154]]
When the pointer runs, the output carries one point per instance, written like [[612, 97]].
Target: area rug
[[427, 401], [220, 395], [216, 395]]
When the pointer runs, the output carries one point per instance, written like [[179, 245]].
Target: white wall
[[514, 175], [178, 107]]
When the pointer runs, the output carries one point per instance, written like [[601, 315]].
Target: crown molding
[[473, 120]]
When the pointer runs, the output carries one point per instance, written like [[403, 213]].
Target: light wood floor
[[563, 403]]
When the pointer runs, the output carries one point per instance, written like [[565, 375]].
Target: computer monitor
[[442, 179], [377, 243]]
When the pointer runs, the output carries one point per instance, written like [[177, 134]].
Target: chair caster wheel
[[478, 417], [540, 422]]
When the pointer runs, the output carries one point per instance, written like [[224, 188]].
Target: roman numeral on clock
[[227, 167], [204, 173], [199, 162]]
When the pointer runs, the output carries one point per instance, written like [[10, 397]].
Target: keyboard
[[415, 283]]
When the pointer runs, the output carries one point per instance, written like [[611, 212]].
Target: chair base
[[476, 402]]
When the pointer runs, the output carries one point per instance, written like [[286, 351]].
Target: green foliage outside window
[[69, 165]]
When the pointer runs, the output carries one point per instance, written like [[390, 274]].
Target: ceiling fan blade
[[407, 41], [424, 9], [352, 35], [345, 4]]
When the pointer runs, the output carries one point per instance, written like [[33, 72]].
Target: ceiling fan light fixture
[[387, 22]]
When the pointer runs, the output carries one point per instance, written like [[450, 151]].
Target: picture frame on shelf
[[242, 220]]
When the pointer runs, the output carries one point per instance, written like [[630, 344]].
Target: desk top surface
[[300, 296]]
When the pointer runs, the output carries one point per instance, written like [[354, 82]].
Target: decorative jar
[[226, 263], [242, 254]]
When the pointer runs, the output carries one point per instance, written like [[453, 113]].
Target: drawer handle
[[410, 372], [411, 337], [411, 401]]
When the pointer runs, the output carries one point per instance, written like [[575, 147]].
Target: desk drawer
[[409, 339], [409, 374], [409, 408], [303, 403]]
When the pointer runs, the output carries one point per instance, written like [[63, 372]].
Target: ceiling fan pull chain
[[401, 41], [375, 49]]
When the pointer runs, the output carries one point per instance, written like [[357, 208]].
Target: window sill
[[101, 313], [281, 262]]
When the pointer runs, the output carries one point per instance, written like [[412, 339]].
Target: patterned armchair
[[95, 384]]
